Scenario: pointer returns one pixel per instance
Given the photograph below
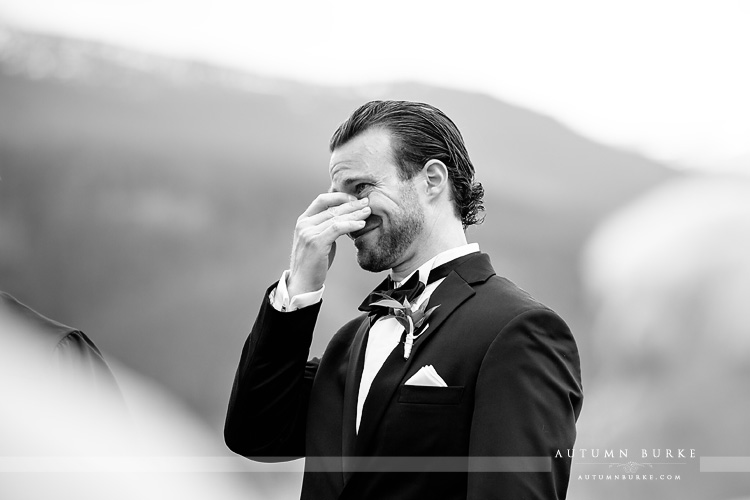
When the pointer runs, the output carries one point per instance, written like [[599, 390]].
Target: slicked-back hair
[[420, 133]]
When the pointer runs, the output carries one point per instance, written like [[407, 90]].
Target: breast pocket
[[426, 395], [428, 421]]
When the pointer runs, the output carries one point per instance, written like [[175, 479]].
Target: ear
[[436, 176]]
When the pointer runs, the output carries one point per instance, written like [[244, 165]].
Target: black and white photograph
[[406, 250]]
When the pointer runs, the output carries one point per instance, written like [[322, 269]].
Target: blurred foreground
[[668, 279], [61, 439]]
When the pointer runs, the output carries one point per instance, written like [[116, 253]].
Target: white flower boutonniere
[[413, 320]]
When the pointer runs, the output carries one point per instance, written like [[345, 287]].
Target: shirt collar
[[440, 259]]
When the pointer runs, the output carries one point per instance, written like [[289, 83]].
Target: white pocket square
[[426, 376]]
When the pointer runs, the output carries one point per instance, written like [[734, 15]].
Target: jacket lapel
[[453, 291], [351, 391]]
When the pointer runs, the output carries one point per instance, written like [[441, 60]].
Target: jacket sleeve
[[268, 405], [528, 398]]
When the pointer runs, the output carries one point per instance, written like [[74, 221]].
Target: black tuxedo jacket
[[514, 390]]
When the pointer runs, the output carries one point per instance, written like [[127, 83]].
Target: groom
[[447, 361]]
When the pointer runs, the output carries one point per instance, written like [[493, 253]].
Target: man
[[458, 363]]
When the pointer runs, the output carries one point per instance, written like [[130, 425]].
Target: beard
[[404, 227]]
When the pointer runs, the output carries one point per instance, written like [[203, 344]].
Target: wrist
[[296, 286]]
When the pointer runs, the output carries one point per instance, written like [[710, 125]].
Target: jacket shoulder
[[503, 300]]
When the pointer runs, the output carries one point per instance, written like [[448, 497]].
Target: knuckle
[[308, 244]]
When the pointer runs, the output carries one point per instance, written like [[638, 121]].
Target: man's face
[[364, 167]]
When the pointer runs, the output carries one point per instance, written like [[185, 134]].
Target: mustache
[[371, 222]]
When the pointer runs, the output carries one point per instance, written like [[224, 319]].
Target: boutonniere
[[413, 320]]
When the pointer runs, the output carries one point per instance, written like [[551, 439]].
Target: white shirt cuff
[[281, 301]]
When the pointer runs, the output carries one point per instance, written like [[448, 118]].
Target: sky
[[666, 78]]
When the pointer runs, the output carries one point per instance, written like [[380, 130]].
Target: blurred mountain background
[[150, 202]]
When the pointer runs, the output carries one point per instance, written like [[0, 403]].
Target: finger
[[320, 235], [339, 210], [327, 200], [338, 227], [357, 215]]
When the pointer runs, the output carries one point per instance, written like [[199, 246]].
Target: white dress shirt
[[385, 334]]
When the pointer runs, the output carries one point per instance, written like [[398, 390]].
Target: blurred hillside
[[150, 202]]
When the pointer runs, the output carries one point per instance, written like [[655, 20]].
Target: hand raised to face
[[329, 216]]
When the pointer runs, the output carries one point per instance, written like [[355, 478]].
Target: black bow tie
[[411, 290]]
